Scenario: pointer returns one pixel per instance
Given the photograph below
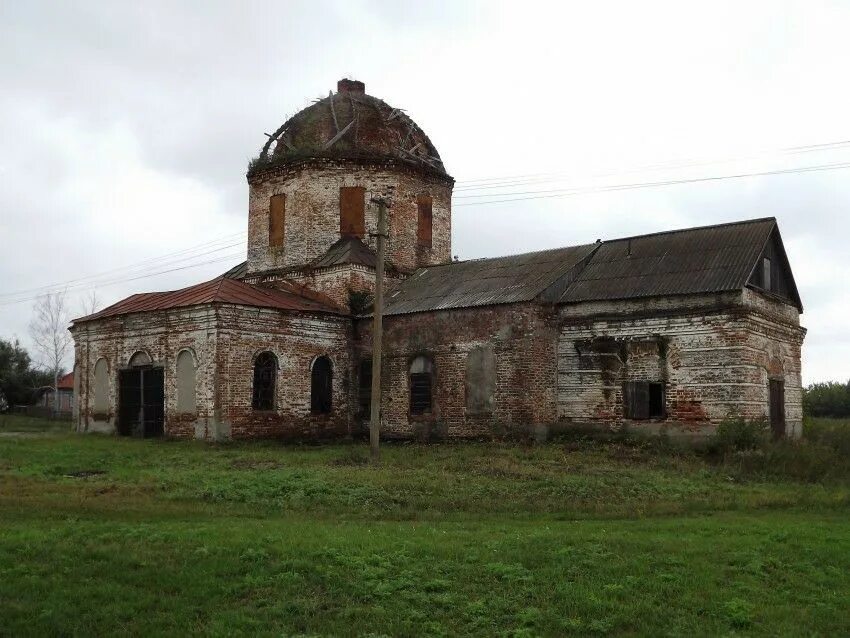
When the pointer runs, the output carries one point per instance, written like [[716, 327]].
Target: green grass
[[103, 535], [14, 424]]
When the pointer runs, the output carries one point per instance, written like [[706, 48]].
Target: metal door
[[153, 402], [141, 402]]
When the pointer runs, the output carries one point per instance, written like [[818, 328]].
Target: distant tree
[[830, 399], [90, 303], [18, 378], [50, 335]]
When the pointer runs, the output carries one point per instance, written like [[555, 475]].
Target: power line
[[144, 276], [615, 187], [515, 180], [162, 260]]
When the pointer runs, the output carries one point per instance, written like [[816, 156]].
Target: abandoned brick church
[[665, 332]]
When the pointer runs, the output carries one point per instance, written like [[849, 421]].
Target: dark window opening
[[352, 209], [765, 274], [424, 215], [277, 217], [265, 375], [364, 395], [321, 386], [421, 382], [644, 400]]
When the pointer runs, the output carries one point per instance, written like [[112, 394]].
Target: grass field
[[103, 535]]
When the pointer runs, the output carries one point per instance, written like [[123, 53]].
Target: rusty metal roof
[[696, 260], [66, 382], [347, 250], [482, 282], [286, 296]]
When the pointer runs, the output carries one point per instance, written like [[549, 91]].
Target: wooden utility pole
[[377, 334]]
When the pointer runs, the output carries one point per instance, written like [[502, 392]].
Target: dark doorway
[[141, 402], [321, 386], [777, 407]]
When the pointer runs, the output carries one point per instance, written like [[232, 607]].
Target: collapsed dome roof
[[350, 125]]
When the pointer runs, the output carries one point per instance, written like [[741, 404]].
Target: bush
[[738, 434], [827, 399], [823, 454]]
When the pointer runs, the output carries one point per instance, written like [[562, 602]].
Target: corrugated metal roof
[[237, 272], [226, 291], [347, 250], [695, 260], [482, 282]]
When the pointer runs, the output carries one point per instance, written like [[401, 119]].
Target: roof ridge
[[692, 228], [508, 256]]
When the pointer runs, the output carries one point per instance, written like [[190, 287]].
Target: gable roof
[[482, 282], [707, 259], [222, 291], [695, 260]]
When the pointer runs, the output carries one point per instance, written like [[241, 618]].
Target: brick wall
[[162, 335], [224, 340], [714, 354], [523, 338], [312, 212]]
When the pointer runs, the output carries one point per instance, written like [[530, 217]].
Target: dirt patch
[[84, 473]]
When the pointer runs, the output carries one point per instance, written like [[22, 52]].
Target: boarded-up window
[[421, 384], [186, 402], [277, 217], [321, 386], [352, 208], [480, 379], [643, 400], [101, 387], [423, 228], [265, 375], [364, 385]]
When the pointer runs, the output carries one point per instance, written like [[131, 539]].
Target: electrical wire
[[615, 187]]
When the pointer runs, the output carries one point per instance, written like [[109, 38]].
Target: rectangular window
[[765, 274], [423, 228], [643, 400], [277, 215], [352, 209], [420, 392]]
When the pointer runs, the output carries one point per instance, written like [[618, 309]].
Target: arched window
[[101, 387], [186, 402], [139, 359], [321, 386], [421, 382], [265, 375]]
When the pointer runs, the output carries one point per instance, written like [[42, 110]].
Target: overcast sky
[[126, 129]]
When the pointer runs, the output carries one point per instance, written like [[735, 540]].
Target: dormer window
[[352, 208], [765, 274]]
